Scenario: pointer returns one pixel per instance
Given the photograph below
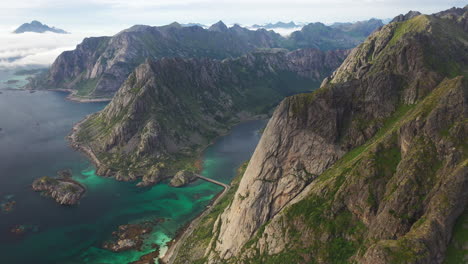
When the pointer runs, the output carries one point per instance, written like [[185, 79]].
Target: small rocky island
[[62, 188], [130, 236]]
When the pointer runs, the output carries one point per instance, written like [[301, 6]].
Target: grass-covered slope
[[371, 167]]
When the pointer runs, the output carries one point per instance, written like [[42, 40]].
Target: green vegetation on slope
[[457, 251]]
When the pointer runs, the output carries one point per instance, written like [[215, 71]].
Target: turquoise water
[[32, 144]]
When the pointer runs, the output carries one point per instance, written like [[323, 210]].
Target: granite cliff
[[370, 168]]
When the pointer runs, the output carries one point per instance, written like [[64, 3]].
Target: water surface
[[32, 144]]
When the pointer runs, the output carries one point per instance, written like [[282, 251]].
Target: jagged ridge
[[99, 66]]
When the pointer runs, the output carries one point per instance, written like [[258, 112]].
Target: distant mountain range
[[38, 27], [194, 24], [277, 25], [363, 27], [99, 65]]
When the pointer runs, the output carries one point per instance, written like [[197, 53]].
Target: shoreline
[[184, 232], [80, 147], [72, 96]]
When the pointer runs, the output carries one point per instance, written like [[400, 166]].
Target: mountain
[[168, 110], [38, 27], [360, 28], [337, 36], [278, 24], [369, 168], [99, 66]]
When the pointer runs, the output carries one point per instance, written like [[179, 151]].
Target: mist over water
[[33, 144]]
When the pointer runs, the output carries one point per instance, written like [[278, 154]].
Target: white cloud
[[34, 48]]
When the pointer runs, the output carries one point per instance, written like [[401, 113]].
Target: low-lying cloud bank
[[35, 49]]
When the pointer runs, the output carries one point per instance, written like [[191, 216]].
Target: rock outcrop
[[182, 178], [129, 237], [370, 168], [170, 109], [99, 66], [407, 16], [64, 190]]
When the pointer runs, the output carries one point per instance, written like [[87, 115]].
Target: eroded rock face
[[182, 178], [400, 189], [65, 191]]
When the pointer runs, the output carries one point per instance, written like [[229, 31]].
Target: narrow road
[[171, 253]]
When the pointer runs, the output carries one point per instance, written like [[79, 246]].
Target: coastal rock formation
[[63, 189], [370, 168], [100, 65], [170, 109], [129, 237], [182, 178]]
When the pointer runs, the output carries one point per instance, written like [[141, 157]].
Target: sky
[[85, 18]]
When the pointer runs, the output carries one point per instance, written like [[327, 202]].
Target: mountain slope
[[99, 66], [168, 110], [37, 27], [370, 168]]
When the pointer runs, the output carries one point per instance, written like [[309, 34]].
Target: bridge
[[171, 253], [225, 186]]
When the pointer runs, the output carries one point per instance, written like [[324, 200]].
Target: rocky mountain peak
[[219, 27], [407, 16]]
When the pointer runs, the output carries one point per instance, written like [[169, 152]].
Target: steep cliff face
[[168, 110], [371, 167], [99, 66]]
